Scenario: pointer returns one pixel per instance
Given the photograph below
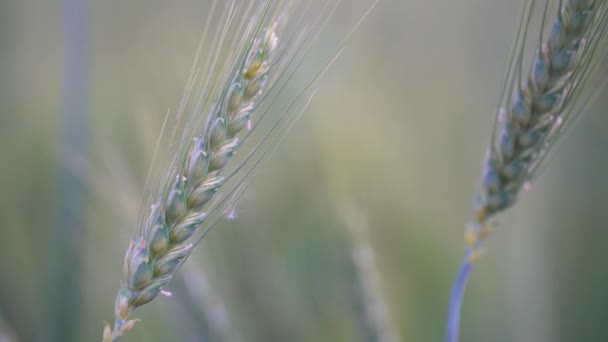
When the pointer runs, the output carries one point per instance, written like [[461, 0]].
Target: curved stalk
[[455, 305]]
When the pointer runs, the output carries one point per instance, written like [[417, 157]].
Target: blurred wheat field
[[394, 136]]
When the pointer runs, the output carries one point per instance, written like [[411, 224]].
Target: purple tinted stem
[[455, 305]]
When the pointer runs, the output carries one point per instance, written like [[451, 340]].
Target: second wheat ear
[[540, 99]]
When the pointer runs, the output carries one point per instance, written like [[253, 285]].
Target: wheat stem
[[455, 304]]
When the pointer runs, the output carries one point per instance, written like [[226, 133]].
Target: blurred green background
[[352, 231]]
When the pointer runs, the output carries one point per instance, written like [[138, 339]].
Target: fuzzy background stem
[[73, 148]]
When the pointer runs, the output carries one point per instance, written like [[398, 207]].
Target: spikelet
[[537, 107], [252, 58]]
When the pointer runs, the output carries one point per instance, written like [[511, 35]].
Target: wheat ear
[[540, 106], [248, 69], [153, 257], [535, 111]]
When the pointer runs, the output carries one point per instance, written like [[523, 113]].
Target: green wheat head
[[539, 103], [230, 106], [543, 93]]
